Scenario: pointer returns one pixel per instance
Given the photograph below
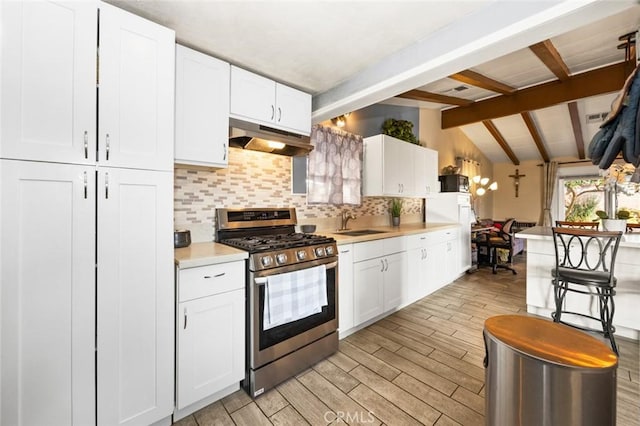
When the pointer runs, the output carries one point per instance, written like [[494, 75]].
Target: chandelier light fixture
[[481, 185]]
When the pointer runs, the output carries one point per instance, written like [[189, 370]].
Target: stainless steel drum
[[540, 373]]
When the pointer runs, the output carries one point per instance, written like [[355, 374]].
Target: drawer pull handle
[[206, 277]]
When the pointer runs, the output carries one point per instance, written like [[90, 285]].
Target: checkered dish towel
[[294, 295]]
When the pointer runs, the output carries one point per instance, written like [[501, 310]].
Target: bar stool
[[585, 261], [579, 225]]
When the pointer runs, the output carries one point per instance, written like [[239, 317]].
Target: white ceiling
[[351, 54]]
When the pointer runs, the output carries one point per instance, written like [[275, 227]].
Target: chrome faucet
[[346, 215]]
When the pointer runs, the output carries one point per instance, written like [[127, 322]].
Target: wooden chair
[[585, 262], [502, 240], [578, 225], [633, 227]]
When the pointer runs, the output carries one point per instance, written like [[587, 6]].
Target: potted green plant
[[400, 129], [619, 223], [396, 210]]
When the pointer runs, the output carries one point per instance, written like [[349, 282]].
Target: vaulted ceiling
[[518, 77]]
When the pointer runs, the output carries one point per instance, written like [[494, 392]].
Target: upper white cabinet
[[49, 81], [261, 100], [397, 168], [49, 86], [136, 85], [202, 109], [426, 172]]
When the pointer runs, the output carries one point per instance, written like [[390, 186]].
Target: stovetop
[[263, 243]]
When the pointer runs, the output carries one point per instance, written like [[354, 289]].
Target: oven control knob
[[281, 258], [302, 255], [319, 251], [329, 251], [266, 260]]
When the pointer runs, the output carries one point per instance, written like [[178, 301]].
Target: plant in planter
[[619, 223], [401, 129], [396, 210]]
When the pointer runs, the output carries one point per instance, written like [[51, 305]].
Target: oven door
[[268, 345]]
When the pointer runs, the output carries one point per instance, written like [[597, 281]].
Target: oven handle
[[263, 280]]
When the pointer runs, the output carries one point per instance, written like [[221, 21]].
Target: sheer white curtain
[[335, 167]]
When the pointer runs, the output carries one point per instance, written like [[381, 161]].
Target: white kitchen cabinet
[[107, 287], [454, 207], [136, 86], [426, 170], [48, 81], [418, 273], [261, 100], [48, 293], [202, 109], [135, 343], [397, 168], [210, 332], [379, 277], [345, 288]]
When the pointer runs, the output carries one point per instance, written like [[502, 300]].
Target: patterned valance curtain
[[335, 167]]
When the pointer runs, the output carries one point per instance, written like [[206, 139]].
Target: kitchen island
[[540, 300]]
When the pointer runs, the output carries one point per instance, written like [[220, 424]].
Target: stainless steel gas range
[[292, 293]]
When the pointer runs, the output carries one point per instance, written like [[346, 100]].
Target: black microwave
[[454, 183]]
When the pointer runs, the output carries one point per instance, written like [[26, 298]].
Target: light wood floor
[[421, 365]]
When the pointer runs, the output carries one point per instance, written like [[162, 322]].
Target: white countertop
[[544, 233], [388, 232], [202, 254], [210, 253]]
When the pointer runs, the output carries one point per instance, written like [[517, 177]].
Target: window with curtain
[[335, 167]]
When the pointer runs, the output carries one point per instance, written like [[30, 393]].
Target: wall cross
[[516, 180]]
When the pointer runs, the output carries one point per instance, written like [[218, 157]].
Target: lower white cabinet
[[47, 282], [379, 277], [210, 331], [345, 287], [86, 315]]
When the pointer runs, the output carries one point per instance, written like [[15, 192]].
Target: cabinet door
[[293, 109], [416, 273], [136, 102], [210, 345], [425, 172], [464, 240], [252, 97], [395, 281], [48, 293], [436, 266], [345, 287], [48, 81], [135, 296], [367, 290], [398, 167], [202, 109]]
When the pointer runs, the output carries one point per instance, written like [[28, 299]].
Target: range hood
[[243, 134]]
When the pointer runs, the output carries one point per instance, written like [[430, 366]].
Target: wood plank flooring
[[421, 365]]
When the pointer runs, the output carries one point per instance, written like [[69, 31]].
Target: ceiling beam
[[535, 134], [547, 53], [577, 128], [596, 82], [476, 79], [421, 95], [501, 141]]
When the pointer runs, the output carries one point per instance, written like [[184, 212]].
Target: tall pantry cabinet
[[86, 190]]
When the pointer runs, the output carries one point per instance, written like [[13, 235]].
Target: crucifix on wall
[[516, 180]]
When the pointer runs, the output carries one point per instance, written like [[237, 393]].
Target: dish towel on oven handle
[[294, 295]]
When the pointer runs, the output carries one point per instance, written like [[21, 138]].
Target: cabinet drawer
[[443, 235], [209, 280], [417, 241], [368, 250], [394, 245]]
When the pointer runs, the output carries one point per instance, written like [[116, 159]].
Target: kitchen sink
[[360, 232]]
